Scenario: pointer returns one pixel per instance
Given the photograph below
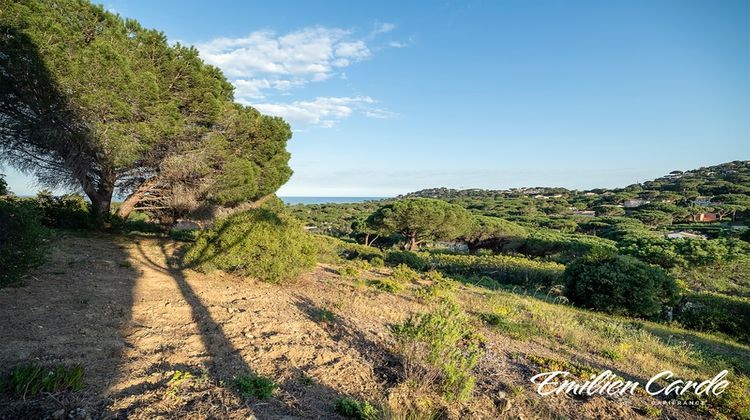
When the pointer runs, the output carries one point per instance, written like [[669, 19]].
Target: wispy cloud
[[323, 111], [382, 28], [265, 62]]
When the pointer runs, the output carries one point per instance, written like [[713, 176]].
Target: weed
[[442, 340], [356, 409], [256, 386], [324, 315], [348, 272], [403, 274], [32, 379], [306, 380], [386, 285]]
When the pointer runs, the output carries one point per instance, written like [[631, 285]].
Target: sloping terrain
[[157, 341]]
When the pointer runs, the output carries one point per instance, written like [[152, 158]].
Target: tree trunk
[[101, 203], [367, 239], [412, 242], [129, 204]]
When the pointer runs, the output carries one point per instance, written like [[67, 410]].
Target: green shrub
[[355, 409], [31, 379], [386, 285], [714, 312], [333, 250], [520, 330], [70, 211], [255, 386], [560, 247], [403, 274], [22, 239], [412, 259], [348, 272], [442, 340], [504, 269], [377, 261], [256, 243], [183, 235], [619, 284]]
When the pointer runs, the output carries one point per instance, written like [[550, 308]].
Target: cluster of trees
[[95, 102]]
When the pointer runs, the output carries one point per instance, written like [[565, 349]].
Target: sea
[[327, 200]]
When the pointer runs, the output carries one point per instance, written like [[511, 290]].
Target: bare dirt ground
[[122, 308]]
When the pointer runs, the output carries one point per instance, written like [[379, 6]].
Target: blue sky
[[390, 97]]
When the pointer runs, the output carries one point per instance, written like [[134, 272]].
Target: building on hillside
[[683, 235], [707, 217], [635, 202], [702, 201]]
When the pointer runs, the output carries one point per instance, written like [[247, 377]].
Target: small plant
[[403, 274], [323, 315], [256, 386], [348, 272], [178, 380], [377, 262], [386, 285], [306, 380], [355, 409], [445, 341], [31, 379], [610, 354]]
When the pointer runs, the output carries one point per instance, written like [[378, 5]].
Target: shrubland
[[259, 243]]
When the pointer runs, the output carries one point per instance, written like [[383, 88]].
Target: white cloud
[[399, 44], [383, 28], [323, 111], [381, 114], [265, 60]]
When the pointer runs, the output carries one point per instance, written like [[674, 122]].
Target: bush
[[619, 284], [503, 269], [440, 343], [387, 285], [256, 243], [403, 274], [412, 259], [31, 379], [333, 250], [717, 313], [355, 409], [256, 386], [70, 211], [22, 239]]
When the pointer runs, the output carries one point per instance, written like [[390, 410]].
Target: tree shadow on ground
[[386, 365]]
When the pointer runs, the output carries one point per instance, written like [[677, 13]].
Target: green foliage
[[520, 330], [669, 253], [403, 274], [183, 235], [3, 186], [492, 232], [255, 243], [255, 386], [94, 100], [421, 219], [356, 409], [619, 284], [22, 239], [31, 379], [504, 269], [387, 285], [716, 313], [70, 211], [411, 259], [561, 247], [443, 340], [334, 250]]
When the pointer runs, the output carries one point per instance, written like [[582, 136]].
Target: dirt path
[[117, 307]]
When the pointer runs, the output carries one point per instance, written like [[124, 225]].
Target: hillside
[[158, 341]]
